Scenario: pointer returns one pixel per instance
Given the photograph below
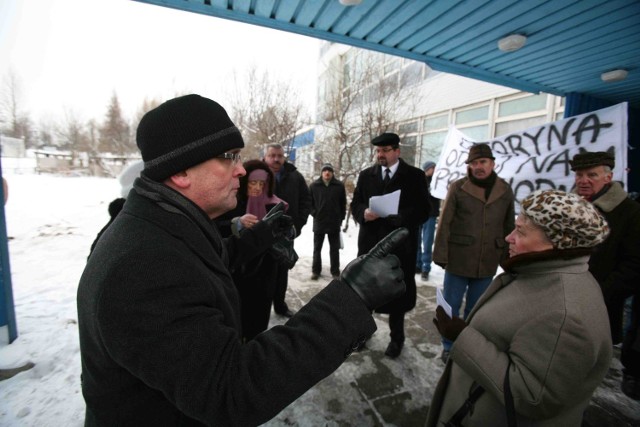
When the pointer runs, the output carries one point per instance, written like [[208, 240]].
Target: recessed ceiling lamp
[[614, 75], [350, 2], [512, 42]]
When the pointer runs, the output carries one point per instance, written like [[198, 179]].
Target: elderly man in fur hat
[[616, 263], [477, 214]]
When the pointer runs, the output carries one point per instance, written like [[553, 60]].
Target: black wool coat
[[158, 316], [328, 205], [413, 210], [292, 188]]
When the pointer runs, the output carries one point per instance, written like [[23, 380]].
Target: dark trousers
[[334, 252], [281, 282], [396, 326], [630, 356]]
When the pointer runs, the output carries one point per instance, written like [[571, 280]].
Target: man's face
[[527, 237], [274, 159], [429, 172], [327, 175], [591, 181], [481, 168], [387, 155], [214, 185]]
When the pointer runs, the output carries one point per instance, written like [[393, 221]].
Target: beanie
[[182, 133], [327, 166], [428, 165], [566, 219]]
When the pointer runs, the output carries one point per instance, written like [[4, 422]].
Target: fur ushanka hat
[[566, 219]]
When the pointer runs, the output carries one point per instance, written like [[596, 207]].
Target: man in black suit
[[391, 174]]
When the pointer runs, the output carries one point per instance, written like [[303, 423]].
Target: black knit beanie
[[182, 133]]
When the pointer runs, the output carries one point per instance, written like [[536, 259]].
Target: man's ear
[[181, 180]]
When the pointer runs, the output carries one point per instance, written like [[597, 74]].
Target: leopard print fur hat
[[566, 219]]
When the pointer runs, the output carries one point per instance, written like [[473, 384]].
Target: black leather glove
[[283, 252], [448, 327], [376, 276], [279, 223]]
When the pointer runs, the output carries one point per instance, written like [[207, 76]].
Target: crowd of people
[[175, 300]]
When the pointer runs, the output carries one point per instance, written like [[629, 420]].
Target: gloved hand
[[376, 276], [279, 223], [448, 327]]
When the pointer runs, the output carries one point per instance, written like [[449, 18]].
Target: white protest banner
[[538, 157]]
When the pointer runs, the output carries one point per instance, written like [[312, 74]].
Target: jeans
[[454, 291], [427, 233]]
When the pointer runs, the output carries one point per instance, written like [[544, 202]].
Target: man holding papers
[[404, 203]]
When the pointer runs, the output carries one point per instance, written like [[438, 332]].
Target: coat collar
[[499, 189], [611, 198]]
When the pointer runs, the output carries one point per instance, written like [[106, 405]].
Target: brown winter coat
[[470, 237]]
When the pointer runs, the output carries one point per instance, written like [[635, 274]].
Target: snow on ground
[[51, 223]]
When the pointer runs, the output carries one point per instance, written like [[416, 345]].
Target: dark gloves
[[376, 276], [448, 327], [282, 251], [279, 223]]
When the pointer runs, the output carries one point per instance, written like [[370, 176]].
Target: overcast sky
[[72, 54]]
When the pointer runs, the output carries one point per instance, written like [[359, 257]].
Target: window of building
[[472, 115], [436, 122], [432, 144], [477, 133], [409, 127], [522, 105]]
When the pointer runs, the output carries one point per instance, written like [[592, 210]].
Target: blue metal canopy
[[570, 43]]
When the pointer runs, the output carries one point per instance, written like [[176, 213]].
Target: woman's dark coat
[[158, 315]]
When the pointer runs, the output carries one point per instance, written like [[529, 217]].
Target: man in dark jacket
[[158, 312], [615, 263], [292, 188], [328, 208], [389, 175]]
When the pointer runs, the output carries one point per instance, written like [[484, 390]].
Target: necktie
[[387, 176]]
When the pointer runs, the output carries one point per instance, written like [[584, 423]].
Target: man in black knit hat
[[158, 312]]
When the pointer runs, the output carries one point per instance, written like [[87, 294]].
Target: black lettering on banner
[[561, 136], [591, 123]]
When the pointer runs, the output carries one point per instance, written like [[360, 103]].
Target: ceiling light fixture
[[512, 42], [350, 2], [614, 75]]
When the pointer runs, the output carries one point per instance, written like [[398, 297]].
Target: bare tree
[[15, 123], [266, 110], [73, 134]]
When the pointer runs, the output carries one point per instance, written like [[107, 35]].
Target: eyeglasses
[[234, 157], [384, 150]]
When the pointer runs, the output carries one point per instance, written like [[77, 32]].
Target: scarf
[[486, 183], [174, 202]]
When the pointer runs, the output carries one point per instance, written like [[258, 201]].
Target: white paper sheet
[[386, 204], [443, 302]]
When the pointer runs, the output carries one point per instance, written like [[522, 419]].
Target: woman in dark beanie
[[537, 343], [254, 279]]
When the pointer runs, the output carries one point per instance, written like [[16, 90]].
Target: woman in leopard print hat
[[543, 321]]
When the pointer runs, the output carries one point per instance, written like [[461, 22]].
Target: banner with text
[[538, 157]]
